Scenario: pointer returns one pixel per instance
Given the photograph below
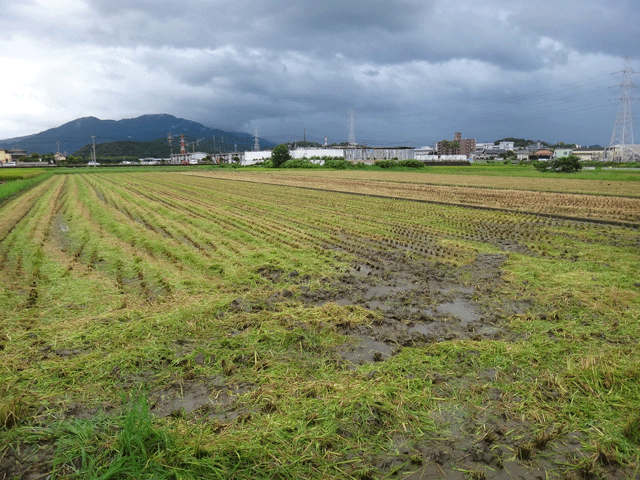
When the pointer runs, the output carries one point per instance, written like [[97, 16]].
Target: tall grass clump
[[89, 449]]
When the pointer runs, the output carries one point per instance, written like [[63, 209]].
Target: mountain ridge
[[76, 134]]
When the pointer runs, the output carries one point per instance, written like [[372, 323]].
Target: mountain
[[76, 134]]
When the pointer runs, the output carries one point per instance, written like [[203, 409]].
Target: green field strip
[[16, 210], [204, 234], [25, 236], [122, 227], [249, 227], [126, 238]]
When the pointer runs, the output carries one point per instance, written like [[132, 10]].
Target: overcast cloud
[[413, 71]]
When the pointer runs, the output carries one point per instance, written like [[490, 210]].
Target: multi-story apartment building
[[459, 146]]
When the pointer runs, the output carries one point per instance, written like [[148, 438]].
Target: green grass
[[149, 284], [17, 182], [10, 174]]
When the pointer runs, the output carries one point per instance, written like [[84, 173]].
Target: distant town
[[458, 150], [142, 141]]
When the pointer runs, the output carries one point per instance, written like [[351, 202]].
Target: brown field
[[605, 186], [510, 193]]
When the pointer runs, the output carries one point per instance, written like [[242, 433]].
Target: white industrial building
[[350, 153], [317, 152]]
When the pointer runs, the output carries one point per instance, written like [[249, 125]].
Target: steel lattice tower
[[352, 132], [621, 146]]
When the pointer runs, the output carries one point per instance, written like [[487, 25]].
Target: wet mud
[[414, 301], [417, 303], [212, 399]]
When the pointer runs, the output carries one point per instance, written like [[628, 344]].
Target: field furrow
[[263, 325]]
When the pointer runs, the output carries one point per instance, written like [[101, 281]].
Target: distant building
[[58, 157], [16, 154], [623, 153], [542, 154], [562, 153], [192, 158], [589, 154], [459, 146], [250, 158], [483, 147], [5, 156], [317, 152]]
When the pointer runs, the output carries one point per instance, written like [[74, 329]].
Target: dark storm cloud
[[405, 65], [381, 31], [336, 16]]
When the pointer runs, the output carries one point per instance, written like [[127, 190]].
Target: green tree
[[563, 164], [567, 164], [279, 155]]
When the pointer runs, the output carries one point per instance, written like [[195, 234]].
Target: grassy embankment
[[122, 290]]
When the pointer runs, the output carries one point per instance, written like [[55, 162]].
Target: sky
[[413, 72]]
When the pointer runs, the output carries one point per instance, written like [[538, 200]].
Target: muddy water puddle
[[213, 398], [415, 303], [459, 310]]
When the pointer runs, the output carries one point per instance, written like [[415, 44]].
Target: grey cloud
[[337, 16], [283, 63], [597, 27]]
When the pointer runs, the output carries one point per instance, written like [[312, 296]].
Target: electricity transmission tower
[[352, 129], [621, 147]]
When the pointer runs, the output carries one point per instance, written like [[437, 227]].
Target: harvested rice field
[[268, 325]]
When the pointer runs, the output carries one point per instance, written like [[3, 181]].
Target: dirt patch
[[212, 398], [416, 303], [27, 462]]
